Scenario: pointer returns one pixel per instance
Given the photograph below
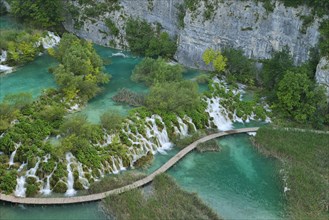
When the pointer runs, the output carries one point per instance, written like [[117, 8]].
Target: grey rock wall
[[322, 74], [241, 24]]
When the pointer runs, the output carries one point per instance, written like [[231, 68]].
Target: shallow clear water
[[237, 182], [32, 78], [88, 211]]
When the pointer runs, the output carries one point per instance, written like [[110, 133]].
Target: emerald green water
[[88, 211], [31, 78], [238, 182]]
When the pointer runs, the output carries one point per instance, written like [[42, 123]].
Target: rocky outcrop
[[322, 74], [240, 24]]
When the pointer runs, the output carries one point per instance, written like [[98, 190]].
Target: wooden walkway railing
[[139, 183]]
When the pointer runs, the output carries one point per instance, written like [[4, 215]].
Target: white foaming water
[[20, 187], [31, 172], [114, 167], [74, 108], [46, 189], [5, 69], [121, 167], [21, 167], [82, 179], [3, 56], [46, 158], [119, 54], [189, 120], [252, 133], [11, 159], [108, 140], [70, 179], [51, 40], [182, 127], [161, 136], [218, 114]]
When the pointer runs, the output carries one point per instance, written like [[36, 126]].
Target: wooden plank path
[[139, 183]]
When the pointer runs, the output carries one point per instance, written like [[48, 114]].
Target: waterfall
[[189, 120], [182, 127], [162, 137], [11, 159], [70, 179], [50, 40], [114, 167], [218, 115], [121, 167], [20, 187], [83, 180], [3, 56], [108, 140], [46, 189], [46, 158], [31, 172], [21, 167]]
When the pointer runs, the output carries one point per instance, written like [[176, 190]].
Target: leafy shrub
[[144, 40]]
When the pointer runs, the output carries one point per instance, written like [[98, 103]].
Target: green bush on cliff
[[144, 40], [41, 13]]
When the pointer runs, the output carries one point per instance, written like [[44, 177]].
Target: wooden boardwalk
[[139, 183]]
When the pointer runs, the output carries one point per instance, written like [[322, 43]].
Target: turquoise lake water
[[237, 182]]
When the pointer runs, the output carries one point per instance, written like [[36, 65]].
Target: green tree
[[144, 40], [298, 97], [174, 96], [216, 58], [240, 66], [80, 72], [111, 120], [41, 13], [151, 71], [274, 69]]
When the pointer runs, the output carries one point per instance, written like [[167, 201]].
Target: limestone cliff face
[[322, 74], [245, 25]]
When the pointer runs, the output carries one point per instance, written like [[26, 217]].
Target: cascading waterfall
[[20, 187], [182, 127], [3, 58], [31, 172], [51, 40], [162, 137], [189, 120], [21, 167], [114, 167], [82, 179], [70, 179], [121, 167], [46, 189], [218, 115], [11, 159]]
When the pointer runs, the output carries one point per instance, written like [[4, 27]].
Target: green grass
[[165, 201], [115, 181], [305, 157]]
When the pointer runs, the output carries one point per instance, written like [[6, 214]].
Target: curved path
[[139, 183]]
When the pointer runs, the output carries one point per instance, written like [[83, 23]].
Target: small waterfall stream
[[11, 159], [70, 179]]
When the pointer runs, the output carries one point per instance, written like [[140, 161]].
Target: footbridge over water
[[139, 183]]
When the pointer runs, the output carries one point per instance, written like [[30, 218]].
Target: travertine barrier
[[139, 183]]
